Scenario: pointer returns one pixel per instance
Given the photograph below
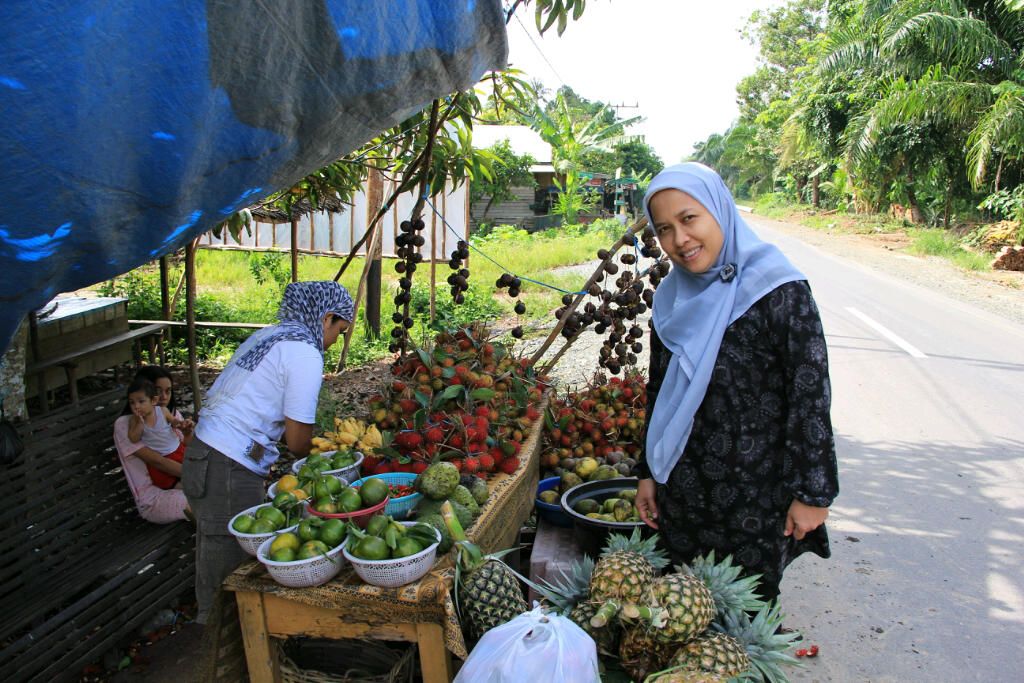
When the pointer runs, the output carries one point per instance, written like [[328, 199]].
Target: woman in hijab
[[739, 455], [267, 391]]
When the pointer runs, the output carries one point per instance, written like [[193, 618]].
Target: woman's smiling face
[[687, 231]]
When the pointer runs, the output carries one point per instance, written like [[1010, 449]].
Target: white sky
[[679, 60]]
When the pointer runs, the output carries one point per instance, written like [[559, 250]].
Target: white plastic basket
[[396, 572], [348, 474], [250, 542], [315, 571]]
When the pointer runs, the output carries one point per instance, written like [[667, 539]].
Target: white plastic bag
[[533, 648]]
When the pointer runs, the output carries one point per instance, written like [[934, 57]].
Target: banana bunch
[[371, 439], [348, 434]]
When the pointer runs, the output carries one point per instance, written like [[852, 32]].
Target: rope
[[484, 255]]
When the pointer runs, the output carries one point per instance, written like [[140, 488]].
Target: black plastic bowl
[[591, 534]]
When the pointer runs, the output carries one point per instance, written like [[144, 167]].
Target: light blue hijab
[[691, 311]]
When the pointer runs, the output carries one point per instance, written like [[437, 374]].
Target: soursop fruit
[[464, 497], [438, 481], [435, 520]]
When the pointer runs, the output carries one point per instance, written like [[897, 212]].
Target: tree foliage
[[877, 102]]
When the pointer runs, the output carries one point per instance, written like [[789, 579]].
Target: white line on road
[[888, 334]]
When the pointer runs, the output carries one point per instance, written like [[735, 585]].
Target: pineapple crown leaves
[[766, 646], [569, 589], [635, 543], [731, 592]]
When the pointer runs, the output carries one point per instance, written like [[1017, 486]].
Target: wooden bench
[[80, 571], [69, 360]]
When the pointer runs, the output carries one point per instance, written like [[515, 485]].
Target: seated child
[[154, 426]]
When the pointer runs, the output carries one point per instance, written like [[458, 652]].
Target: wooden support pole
[[295, 250], [375, 240], [433, 265], [165, 301], [190, 318], [373, 269]]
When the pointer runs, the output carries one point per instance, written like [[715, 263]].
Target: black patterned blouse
[[761, 437]]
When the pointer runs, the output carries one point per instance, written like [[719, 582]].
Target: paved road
[[926, 582]]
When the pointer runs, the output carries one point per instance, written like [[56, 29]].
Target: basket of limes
[[390, 553], [402, 496], [350, 503], [303, 489], [342, 464], [310, 555], [252, 526]]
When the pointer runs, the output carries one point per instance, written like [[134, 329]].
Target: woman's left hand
[[802, 519]]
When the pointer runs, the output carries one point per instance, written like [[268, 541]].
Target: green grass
[[241, 287], [938, 242]]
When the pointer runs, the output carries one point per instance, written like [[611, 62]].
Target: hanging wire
[[444, 220]]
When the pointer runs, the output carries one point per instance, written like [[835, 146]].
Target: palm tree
[[945, 63], [571, 137]]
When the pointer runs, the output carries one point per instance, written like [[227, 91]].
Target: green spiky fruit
[[435, 520], [717, 653], [731, 592], [462, 496]]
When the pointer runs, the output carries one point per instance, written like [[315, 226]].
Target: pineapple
[[622, 574], [713, 652], [731, 593], [683, 676], [640, 654], [765, 645], [570, 596], [487, 592], [683, 605]]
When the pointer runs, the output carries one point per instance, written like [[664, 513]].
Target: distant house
[[529, 201]]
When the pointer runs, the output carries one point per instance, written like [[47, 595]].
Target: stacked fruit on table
[[349, 435], [693, 623], [318, 463], [333, 496], [441, 483], [386, 539], [595, 433], [315, 537], [281, 514], [466, 401]]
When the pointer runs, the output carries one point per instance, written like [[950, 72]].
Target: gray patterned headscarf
[[302, 312]]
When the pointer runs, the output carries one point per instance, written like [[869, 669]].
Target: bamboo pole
[[190, 318], [626, 238], [433, 265], [360, 290]]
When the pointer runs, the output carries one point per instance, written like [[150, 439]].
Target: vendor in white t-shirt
[[269, 389]]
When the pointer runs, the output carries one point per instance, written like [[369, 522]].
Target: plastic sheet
[[130, 128]]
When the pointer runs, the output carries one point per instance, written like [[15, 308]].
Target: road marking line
[[885, 332]]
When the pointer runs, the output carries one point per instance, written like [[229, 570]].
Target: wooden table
[[420, 613], [264, 615]]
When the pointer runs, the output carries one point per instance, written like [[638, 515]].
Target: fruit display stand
[[422, 612]]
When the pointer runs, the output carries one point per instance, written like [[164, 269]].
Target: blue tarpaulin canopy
[[127, 129]]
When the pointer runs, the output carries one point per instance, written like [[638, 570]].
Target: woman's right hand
[[646, 502]]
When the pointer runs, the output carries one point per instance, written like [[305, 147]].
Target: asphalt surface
[[926, 580]]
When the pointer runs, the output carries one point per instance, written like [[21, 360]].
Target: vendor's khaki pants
[[217, 488]]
